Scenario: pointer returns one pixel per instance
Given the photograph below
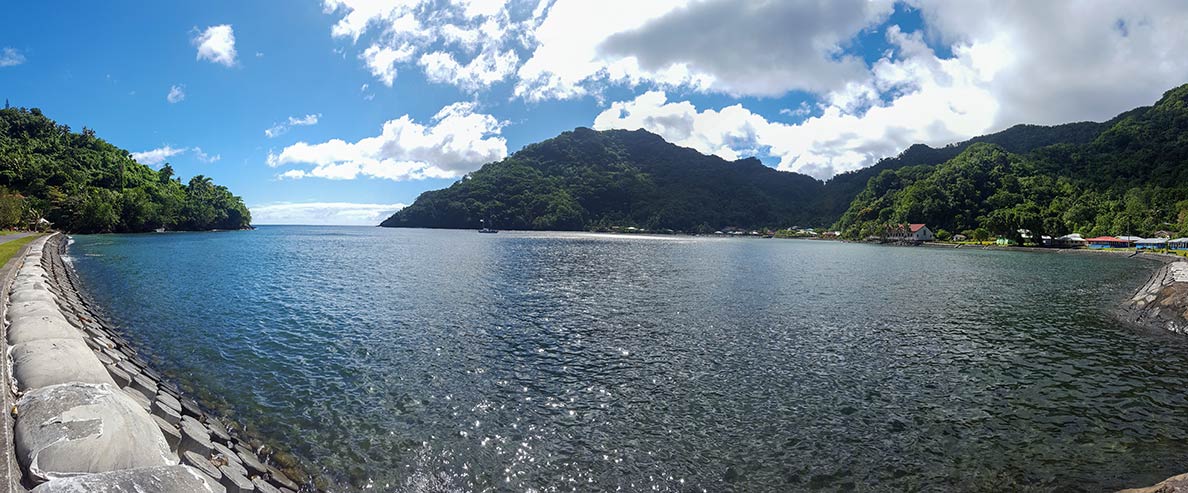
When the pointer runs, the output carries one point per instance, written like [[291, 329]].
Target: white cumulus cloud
[[177, 93], [217, 44], [465, 43], [323, 213], [1009, 63], [293, 121], [10, 57], [457, 140], [157, 157]]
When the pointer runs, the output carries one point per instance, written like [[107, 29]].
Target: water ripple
[[449, 361]]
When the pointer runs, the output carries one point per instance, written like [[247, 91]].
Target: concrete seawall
[[90, 415], [1162, 304], [1163, 301]]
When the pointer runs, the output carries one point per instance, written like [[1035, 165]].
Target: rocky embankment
[[90, 415], [1162, 302]]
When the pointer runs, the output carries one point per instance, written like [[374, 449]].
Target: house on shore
[[1178, 244], [1151, 244], [1102, 242], [1131, 239], [908, 232], [1069, 241]]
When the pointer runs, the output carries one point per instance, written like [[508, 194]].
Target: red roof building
[[1107, 242]]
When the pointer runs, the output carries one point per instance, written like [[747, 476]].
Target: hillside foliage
[[1130, 178], [81, 183], [586, 179]]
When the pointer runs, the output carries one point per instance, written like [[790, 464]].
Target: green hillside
[[590, 180], [83, 184], [1131, 177]]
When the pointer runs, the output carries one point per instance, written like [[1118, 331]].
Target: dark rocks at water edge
[[1162, 302], [93, 416]]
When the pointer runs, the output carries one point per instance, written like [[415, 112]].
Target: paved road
[[15, 236]]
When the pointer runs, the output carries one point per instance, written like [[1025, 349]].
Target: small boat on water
[[160, 230], [485, 229]]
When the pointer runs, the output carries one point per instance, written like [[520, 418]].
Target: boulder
[[158, 479], [77, 428], [37, 364], [29, 329]]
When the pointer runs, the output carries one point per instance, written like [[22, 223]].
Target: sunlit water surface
[[421, 360]]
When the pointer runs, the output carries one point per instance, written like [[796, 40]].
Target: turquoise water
[[447, 360]]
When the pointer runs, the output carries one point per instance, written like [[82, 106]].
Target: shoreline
[[66, 280], [286, 477], [191, 439]]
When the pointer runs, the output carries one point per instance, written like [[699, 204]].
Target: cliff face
[[1163, 301]]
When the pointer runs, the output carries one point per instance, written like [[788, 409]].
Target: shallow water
[[423, 360]]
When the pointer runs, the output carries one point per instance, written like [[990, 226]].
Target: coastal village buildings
[[1151, 244], [908, 232], [1069, 241], [1100, 242]]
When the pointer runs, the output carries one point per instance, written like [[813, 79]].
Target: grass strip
[[10, 248]]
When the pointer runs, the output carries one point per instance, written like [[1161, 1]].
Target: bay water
[[422, 360]]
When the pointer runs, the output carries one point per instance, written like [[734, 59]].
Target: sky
[[343, 111]]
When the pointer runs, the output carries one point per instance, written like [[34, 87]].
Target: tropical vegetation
[[1130, 178], [1125, 175], [81, 183]]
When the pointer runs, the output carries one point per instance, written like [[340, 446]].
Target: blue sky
[[338, 111]]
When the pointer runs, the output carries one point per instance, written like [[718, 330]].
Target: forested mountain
[[586, 179], [1131, 177], [81, 183], [1126, 174]]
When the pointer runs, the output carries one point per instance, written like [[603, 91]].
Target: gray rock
[[281, 479], [171, 432], [121, 378], [230, 467], [167, 413], [226, 452], [145, 385], [263, 486], [236, 482], [159, 479], [71, 429], [192, 421], [200, 462], [218, 431], [129, 367], [168, 400], [114, 355], [195, 439], [138, 398], [191, 408], [38, 364], [28, 329], [252, 463]]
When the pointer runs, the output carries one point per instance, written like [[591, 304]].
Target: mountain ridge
[[558, 166]]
